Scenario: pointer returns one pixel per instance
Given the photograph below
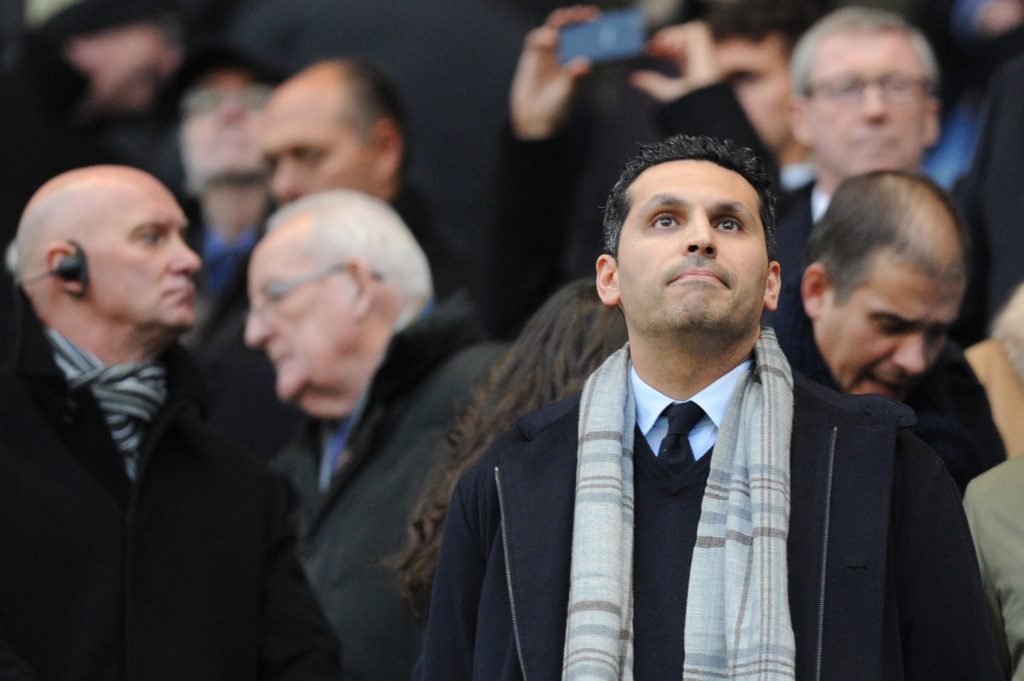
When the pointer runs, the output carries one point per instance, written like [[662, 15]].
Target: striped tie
[[130, 395]]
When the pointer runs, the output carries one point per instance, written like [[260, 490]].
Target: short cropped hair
[[881, 211], [858, 20], [690, 148], [347, 224]]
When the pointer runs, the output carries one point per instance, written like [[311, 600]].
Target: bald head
[[128, 231], [334, 125], [72, 205]]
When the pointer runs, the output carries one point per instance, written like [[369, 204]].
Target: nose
[[874, 104], [256, 330], [185, 260], [911, 354], [699, 236], [285, 183], [232, 109]]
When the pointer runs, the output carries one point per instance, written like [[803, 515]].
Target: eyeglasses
[[274, 292], [206, 100], [895, 88]]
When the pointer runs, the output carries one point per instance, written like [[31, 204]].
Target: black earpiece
[[73, 267]]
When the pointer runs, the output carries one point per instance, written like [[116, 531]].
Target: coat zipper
[[508, 573], [824, 553]]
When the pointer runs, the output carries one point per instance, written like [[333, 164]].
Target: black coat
[[883, 581], [187, 574]]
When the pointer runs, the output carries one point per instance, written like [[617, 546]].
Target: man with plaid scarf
[[788, 533]]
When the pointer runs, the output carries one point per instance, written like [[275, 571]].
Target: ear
[[816, 290], [799, 120], [773, 286], [389, 150], [54, 253], [363, 287], [608, 280]]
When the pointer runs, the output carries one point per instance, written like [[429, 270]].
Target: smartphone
[[618, 34]]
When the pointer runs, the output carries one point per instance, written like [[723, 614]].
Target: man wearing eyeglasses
[[342, 302], [863, 82], [223, 92]]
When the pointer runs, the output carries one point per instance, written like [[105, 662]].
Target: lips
[[699, 269]]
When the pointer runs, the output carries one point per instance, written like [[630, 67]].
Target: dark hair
[[892, 210], [690, 148], [373, 95], [755, 20], [560, 346]]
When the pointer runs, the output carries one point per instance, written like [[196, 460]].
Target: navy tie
[[682, 417]]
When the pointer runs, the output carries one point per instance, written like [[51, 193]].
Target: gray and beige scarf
[[737, 613]]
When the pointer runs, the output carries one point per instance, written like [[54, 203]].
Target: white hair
[[346, 224], [855, 19]]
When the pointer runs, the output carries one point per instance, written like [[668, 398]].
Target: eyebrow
[[718, 208]]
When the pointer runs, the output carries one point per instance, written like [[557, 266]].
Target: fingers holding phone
[[690, 47], [543, 86]]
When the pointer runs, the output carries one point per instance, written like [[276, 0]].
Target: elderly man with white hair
[[342, 302]]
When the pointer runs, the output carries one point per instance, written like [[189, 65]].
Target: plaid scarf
[[130, 395], [737, 614]]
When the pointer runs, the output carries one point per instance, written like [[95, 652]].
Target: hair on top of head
[[857, 20], [373, 95], [755, 20], [345, 224], [898, 211], [740, 160]]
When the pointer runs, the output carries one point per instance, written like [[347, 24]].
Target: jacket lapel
[[536, 483]]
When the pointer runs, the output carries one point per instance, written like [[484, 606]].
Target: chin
[[321, 407]]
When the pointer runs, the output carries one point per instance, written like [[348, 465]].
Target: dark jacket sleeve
[[942, 618], [297, 642]]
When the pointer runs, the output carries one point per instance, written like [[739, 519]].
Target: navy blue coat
[[883, 579]]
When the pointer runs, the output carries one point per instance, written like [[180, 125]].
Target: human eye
[[664, 221], [729, 224], [891, 325], [307, 156], [151, 235], [845, 88], [741, 78]]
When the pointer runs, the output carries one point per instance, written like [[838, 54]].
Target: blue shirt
[[714, 400], [220, 257]]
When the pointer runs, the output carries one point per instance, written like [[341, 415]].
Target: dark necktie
[[682, 417]]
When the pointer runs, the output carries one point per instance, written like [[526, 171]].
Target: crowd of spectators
[[393, 205]]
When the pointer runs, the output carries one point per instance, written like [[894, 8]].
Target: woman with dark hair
[[560, 346]]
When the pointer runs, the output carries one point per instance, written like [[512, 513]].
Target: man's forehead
[[866, 49], [692, 181]]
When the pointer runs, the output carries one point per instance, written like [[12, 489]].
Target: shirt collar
[[714, 399], [819, 202]]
